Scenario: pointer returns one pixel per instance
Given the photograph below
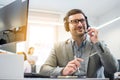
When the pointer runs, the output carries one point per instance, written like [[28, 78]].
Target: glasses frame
[[76, 21]]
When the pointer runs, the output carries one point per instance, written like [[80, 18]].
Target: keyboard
[[33, 79], [34, 75]]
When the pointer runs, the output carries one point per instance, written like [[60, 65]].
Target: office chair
[[111, 76]]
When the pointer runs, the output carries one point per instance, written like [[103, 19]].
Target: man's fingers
[[76, 62]]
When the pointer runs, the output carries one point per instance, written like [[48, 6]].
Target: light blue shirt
[[78, 51]]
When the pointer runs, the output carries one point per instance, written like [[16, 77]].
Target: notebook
[[11, 66]]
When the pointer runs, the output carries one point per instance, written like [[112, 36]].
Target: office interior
[[45, 24]]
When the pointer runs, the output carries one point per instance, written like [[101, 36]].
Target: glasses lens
[[76, 21]]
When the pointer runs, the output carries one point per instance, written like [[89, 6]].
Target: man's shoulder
[[61, 43]]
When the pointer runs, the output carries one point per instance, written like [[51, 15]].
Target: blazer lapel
[[87, 51], [69, 50]]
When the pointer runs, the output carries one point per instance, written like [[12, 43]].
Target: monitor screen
[[13, 22]]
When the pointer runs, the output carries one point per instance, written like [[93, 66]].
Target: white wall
[[110, 34], [114, 13]]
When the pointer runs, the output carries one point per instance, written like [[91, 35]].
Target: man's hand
[[93, 33], [71, 67]]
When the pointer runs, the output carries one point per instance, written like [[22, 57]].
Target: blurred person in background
[[31, 59]]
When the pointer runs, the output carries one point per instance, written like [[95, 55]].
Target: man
[[83, 54]]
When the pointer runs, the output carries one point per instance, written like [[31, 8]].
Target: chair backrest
[[111, 76], [119, 65]]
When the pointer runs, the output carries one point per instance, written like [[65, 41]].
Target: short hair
[[29, 50], [72, 12]]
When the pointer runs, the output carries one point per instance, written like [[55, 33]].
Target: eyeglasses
[[76, 21]]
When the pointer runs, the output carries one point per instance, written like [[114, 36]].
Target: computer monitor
[[13, 24]]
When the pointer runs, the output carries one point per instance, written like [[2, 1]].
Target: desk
[[58, 79], [64, 79]]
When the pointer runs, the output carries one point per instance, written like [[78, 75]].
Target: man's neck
[[79, 39]]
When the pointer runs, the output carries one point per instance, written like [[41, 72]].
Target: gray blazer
[[95, 65]]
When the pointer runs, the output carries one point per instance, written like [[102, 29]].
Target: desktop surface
[[37, 76], [65, 79], [58, 79]]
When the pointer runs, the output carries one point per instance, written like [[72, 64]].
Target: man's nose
[[79, 23]]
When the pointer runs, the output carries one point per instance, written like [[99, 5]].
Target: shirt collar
[[82, 44]]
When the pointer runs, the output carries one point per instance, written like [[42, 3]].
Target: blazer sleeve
[[50, 68], [107, 59]]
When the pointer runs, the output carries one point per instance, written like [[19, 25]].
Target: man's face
[[77, 24]]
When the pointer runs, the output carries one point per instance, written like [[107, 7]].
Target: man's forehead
[[79, 15]]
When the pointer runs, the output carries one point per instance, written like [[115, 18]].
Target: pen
[[88, 56], [91, 55], [78, 71]]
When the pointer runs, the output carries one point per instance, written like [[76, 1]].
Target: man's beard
[[81, 35], [82, 32]]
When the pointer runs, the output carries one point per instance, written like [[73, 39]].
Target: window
[[42, 33], [42, 37]]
